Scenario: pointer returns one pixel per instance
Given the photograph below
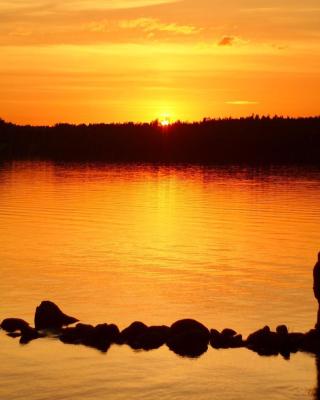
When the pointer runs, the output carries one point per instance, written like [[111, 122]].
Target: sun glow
[[165, 120]]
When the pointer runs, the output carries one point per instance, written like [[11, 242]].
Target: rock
[[13, 324], [49, 316], [228, 333], [237, 341], [151, 338], [259, 337], [188, 344], [282, 330], [264, 342], [188, 338], [185, 325], [99, 337], [295, 340], [311, 342], [28, 334], [109, 330], [14, 335], [228, 338], [76, 334], [130, 334]]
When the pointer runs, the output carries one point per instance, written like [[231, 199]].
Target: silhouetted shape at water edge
[[316, 288], [49, 316], [28, 334], [253, 140], [226, 339], [13, 324], [139, 336], [317, 389], [100, 337], [187, 337]]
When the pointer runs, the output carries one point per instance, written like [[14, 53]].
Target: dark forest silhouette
[[256, 140]]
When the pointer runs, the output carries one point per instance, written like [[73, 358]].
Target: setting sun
[[165, 122], [165, 119]]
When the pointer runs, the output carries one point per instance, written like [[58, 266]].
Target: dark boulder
[[151, 338], [28, 334], [188, 344], [109, 330], [228, 338], [295, 341], [130, 334], [102, 336], [14, 335], [282, 330], [311, 342], [267, 343], [264, 342], [228, 333], [99, 337], [75, 335], [13, 324], [185, 325], [188, 338], [259, 336], [49, 316]]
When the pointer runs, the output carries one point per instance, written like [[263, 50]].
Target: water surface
[[229, 247]]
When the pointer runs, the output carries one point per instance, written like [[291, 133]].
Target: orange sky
[[120, 60]]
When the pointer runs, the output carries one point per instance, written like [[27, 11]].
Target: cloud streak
[[77, 5], [241, 102], [154, 25], [227, 41]]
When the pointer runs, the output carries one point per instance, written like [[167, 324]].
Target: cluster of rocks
[[185, 337]]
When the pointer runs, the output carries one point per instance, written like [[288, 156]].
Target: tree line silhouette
[[256, 140]]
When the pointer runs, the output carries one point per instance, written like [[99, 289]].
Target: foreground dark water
[[231, 248]]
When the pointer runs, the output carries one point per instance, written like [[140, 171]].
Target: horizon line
[[157, 121]]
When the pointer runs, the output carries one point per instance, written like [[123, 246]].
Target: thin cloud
[[241, 102], [111, 4], [153, 25], [227, 41], [72, 5]]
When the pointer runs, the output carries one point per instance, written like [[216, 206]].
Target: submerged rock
[[295, 341], [185, 325], [130, 334], [264, 342], [13, 324], [282, 330], [150, 338], [228, 333], [14, 335], [188, 338], [310, 342], [99, 337], [28, 334], [228, 338], [76, 334], [154, 337], [267, 343], [49, 316]]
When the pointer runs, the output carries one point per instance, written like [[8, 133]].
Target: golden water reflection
[[159, 243], [231, 248]]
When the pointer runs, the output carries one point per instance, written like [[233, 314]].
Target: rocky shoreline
[[187, 337]]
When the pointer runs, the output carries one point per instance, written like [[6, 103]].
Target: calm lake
[[229, 247]]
